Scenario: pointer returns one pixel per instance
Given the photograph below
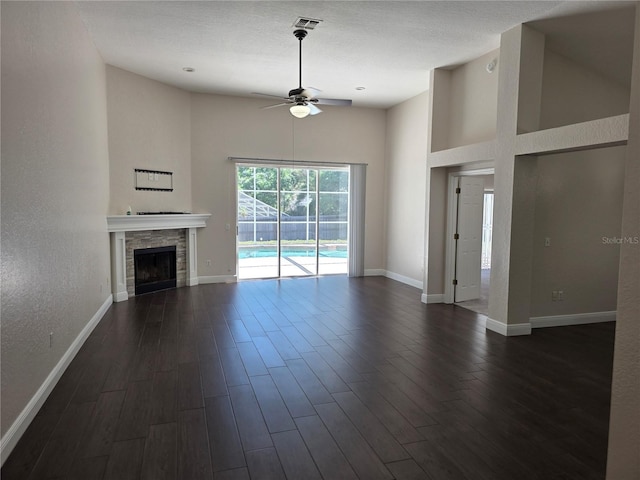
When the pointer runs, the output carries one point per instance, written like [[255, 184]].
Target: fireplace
[[133, 232], [154, 269]]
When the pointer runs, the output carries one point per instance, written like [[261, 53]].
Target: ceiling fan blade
[[313, 110], [304, 96], [310, 92], [276, 105], [332, 101], [268, 95]]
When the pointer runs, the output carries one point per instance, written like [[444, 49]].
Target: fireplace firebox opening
[[155, 269]]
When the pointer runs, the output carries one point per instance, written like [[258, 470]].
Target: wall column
[[119, 267], [192, 257], [521, 61], [623, 460]]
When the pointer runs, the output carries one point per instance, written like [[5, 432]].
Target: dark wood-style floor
[[313, 378]]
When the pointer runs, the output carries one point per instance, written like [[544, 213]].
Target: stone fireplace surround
[[152, 239], [129, 232]]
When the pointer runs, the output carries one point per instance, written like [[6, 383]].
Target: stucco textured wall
[[55, 190], [624, 428], [149, 128], [406, 185], [578, 206]]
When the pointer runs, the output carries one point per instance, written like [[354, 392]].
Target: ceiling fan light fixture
[[302, 100], [300, 110]]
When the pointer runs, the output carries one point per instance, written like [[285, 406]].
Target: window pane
[[269, 199], [334, 181], [334, 206], [245, 178], [293, 179], [245, 206], [266, 178], [296, 204], [333, 226]]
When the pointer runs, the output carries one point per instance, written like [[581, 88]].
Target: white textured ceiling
[[239, 47]]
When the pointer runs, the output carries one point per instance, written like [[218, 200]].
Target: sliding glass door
[[333, 223], [258, 211], [298, 222], [292, 221]]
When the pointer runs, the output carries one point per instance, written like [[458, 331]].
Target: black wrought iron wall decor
[[153, 180]]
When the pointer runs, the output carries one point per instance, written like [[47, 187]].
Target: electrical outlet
[[554, 296], [560, 295], [547, 241]]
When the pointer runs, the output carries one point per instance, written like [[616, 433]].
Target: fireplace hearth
[[155, 269]]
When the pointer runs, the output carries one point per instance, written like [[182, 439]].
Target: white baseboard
[[572, 319], [511, 330], [218, 279], [19, 426], [375, 272], [406, 280], [432, 298], [549, 321]]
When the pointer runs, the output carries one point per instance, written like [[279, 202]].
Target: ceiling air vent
[[306, 23]]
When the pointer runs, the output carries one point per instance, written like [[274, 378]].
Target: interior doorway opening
[[470, 228], [480, 304], [292, 221]]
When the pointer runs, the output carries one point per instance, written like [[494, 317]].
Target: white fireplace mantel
[[117, 225], [137, 223]]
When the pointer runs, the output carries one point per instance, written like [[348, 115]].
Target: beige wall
[[572, 93], [223, 127], [624, 426], [578, 203], [406, 184], [149, 128], [473, 102], [437, 227], [55, 170], [439, 108]]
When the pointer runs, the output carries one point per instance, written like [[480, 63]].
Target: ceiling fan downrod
[[301, 101], [300, 35]]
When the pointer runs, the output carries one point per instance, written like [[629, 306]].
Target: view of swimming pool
[[253, 252]]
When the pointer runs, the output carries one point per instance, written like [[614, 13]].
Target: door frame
[[452, 220]]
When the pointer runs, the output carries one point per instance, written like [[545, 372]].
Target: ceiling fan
[[302, 100]]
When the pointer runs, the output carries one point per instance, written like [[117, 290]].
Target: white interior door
[[469, 243]]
